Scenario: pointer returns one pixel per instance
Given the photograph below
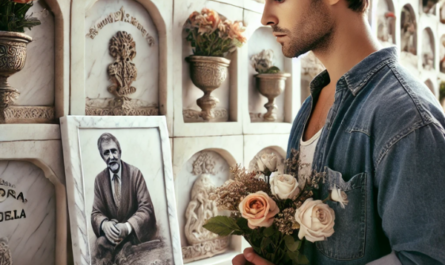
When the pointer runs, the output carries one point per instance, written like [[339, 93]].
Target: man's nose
[[268, 18]]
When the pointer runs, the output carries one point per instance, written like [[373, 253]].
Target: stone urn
[[12, 60], [271, 86], [208, 73]]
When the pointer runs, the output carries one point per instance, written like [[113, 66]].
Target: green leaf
[[302, 259], [270, 231], [242, 224], [267, 245], [221, 225], [291, 244]]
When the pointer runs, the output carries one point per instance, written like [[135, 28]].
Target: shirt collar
[[119, 174], [356, 78]]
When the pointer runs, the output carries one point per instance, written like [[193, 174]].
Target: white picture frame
[[148, 134]]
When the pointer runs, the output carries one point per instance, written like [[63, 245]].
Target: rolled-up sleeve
[[410, 181]]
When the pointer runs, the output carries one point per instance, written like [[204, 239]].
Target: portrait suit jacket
[[135, 208]]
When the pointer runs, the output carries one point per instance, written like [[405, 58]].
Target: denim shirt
[[383, 143]]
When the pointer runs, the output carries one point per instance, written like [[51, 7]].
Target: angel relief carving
[[201, 242]]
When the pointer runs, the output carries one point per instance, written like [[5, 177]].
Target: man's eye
[[106, 152]]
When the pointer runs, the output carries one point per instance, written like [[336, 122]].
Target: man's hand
[[110, 231], [123, 229], [249, 257]]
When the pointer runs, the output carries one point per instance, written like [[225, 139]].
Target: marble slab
[[36, 80], [97, 55], [27, 213], [145, 144]]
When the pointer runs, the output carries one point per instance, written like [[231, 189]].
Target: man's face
[[299, 25], [111, 155]]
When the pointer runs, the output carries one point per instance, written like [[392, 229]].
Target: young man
[[378, 133]]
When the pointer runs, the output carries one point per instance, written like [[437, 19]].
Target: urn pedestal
[[208, 73], [12, 60], [271, 86]]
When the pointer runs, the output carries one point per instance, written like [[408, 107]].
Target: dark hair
[[358, 5], [106, 137]]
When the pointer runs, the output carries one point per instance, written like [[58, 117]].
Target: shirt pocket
[[348, 240]]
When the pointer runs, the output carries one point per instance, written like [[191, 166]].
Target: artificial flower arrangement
[[211, 34], [13, 15], [274, 211], [263, 62]]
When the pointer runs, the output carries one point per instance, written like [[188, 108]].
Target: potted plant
[[13, 42], [211, 36], [270, 81]]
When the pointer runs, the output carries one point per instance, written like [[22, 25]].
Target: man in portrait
[[123, 213]]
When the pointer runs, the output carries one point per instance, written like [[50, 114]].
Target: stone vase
[[12, 60], [271, 86], [208, 73]]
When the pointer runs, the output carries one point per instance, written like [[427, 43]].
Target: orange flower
[[22, 1], [258, 209]]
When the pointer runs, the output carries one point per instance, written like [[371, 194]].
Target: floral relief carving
[[13, 114], [5, 252], [205, 249], [191, 115], [204, 164], [12, 55], [117, 16]]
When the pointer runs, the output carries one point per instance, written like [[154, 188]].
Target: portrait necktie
[[117, 190]]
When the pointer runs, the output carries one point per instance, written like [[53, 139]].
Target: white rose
[[284, 186], [316, 220], [337, 195]]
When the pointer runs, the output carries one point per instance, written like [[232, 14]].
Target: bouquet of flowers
[[13, 15], [211, 34], [275, 211]]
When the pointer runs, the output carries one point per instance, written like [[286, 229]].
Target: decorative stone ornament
[[12, 60], [208, 73], [5, 252], [271, 86]]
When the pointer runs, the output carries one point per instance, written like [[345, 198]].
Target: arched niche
[[42, 82], [430, 85], [310, 68], [386, 22], [201, 174], [273, 155], [263, 39], [226, 109], [142, 20], [38, 173], [408, 45], [428, 49]]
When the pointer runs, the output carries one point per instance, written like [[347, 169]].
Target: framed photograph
[[120, 190]]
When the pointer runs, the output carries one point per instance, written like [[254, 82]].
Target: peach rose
[[316, 220], [259, 209]]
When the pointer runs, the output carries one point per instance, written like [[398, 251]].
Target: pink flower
[[259, 210]]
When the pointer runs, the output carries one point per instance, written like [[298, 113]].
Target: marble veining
[[36, 81], [32, 239], [97, 57]]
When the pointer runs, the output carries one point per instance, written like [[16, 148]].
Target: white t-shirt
[[307, 151]]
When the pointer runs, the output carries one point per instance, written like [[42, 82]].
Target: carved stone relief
[[117, 16], [191, 115], [201, 242], [5, 253], [122, 73]]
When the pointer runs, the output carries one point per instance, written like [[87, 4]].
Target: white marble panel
[[145, 144], [32, 238], [97, 56], [186, 179], [36, 80], [254, 144], [262, 39]]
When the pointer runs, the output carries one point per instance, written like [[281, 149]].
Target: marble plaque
[[120, 190], [102, 22], [27, 214]]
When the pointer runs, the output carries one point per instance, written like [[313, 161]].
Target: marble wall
[[32, 225]]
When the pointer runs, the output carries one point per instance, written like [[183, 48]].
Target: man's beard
[[314, 31], [113, 165]]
